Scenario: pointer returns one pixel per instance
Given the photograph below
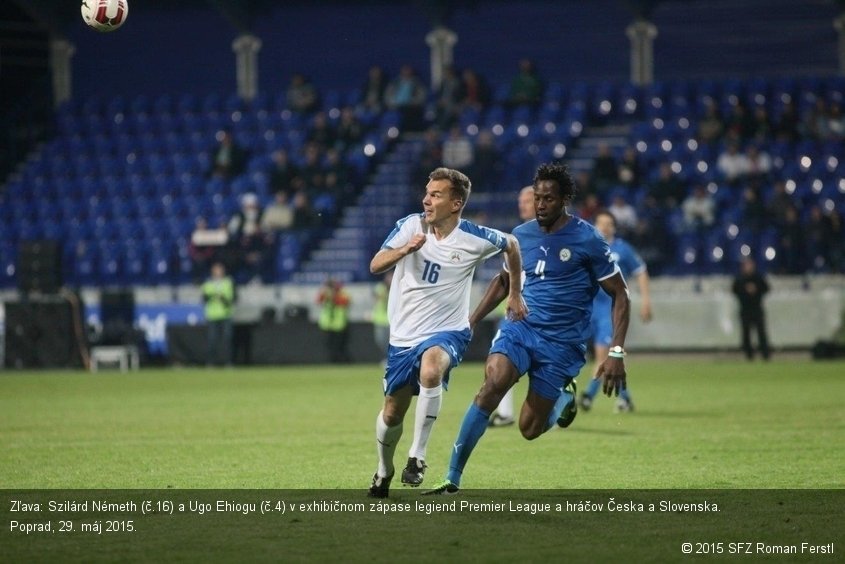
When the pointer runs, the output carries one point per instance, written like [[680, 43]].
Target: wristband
[[616, 352]]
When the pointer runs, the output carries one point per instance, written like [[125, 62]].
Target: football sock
[[386, 441], [428, 407], [593, 388], [505, 409], [562, 400], [473, 426], [625, 395]]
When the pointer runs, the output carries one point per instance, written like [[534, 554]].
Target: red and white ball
[[105, 15]]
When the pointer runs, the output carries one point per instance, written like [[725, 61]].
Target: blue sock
[[565, 397], [473, 426], [593, 388], [625, 395]]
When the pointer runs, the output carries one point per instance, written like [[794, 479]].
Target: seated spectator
[[625, 214], [278, 216], [604, 172], [779, 204], [763, 130], [448, 98], [407, 94], [458, 152], [301, 95], [312, 170], [759, 163], [740, 125], [337, 177], [699, 209], [792, 242], [526, 87], [824, 236], [788, 124], [203, 248], [589, 208], [228, 159], [322, 133], [349, 130], [474, 92], [629, 172], [282, 172], [755, 216], [304, 217], [431, 156], [488, 163], [836, 123], [815, 124], [246, 237], [668, 190], [711, 127], [372, 93], [732, 164]]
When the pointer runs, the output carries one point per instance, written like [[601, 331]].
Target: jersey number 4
[[540, 269], [431, 272]]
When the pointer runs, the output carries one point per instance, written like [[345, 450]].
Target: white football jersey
[[431, 288]]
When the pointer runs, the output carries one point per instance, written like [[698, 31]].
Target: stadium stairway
[[345, 255]]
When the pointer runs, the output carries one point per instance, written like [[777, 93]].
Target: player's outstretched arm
[[493, 296], [612, 370], [516, 305], [386, 259]]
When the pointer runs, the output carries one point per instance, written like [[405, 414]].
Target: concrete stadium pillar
[[642, 33], [246, 48], [441, 40], [839, 25], [61, 52]]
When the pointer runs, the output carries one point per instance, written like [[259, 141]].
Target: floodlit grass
[[698, 424]]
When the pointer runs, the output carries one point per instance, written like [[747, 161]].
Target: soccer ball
[[105, 15]]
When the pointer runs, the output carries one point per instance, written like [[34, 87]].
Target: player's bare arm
[[612, 370], [496, 291], [386, 259], [517, 309]]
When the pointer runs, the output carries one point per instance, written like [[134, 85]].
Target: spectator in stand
[[629, 171], [825, 240], [792, 242], [604, 172], [282, 172], [712, 126], [763, 130], [780, 204], [312, 171], [732, 164], [759, 163], [302, 96], [246, 237], [754, 216], [458, 152], [228, 159], [431, 156], [448, 98], [526, 87], [278, 216], [789, 124], [836, 123], [337, 177], [349, 130], [668, 190], [488, 166], [699, 210], [474, 93], [816, 122], [304, 217], [322, 133], [205, 242], [372, 94], [740, 125], [625, 215], [407, 94], [589, 208]]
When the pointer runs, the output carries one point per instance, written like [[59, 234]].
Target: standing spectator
[[334, 320], [381, 323], [278, 216], [750, 287], [218, 294], [625, 216], [475, 93], [301, 95], [526, 87], [229, 159], [668, 190], [699, 210], [604, 172], [407, 94], [629, 173], [458, 152], [711, 127], [372, 94], [282, 172]]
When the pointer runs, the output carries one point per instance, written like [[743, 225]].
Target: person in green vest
[[218, 294], [381, 325], [334, 319]]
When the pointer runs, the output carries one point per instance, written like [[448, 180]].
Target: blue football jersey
[[630, 264], [562, 271]]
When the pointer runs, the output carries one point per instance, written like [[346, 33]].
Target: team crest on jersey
[[455, 257], [565, 254]]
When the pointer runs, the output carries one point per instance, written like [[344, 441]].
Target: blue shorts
[[550, 365], [403, 363], [601, 325]]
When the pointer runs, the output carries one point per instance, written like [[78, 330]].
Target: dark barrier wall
[[178, 48], [294, 342], [40, 333]]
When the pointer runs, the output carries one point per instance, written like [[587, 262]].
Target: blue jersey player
[[632, 266], [564, 261]]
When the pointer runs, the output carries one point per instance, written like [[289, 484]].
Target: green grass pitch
[[698, 424]]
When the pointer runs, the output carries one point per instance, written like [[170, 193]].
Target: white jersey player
[[435, 254]]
